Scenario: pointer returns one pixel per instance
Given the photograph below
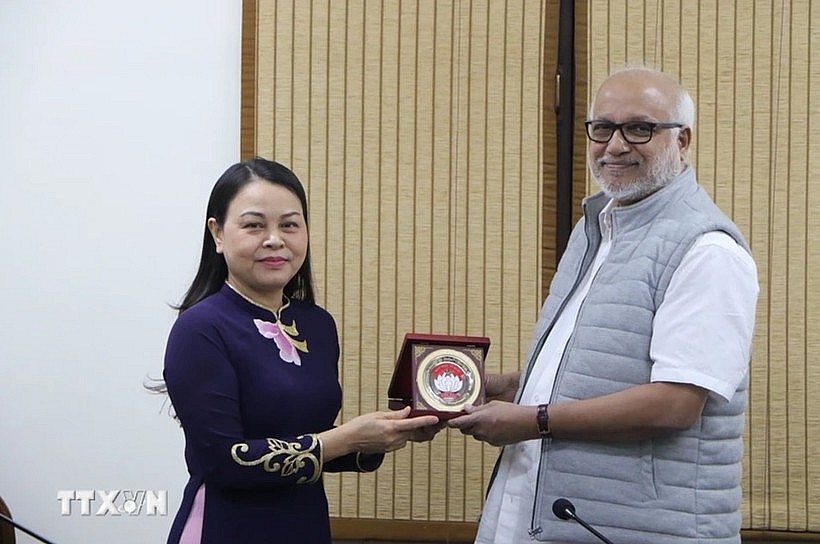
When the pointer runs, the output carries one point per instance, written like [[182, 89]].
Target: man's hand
[[498, 423], [501, 386]]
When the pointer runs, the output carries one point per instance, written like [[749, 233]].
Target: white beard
[[660, 173]]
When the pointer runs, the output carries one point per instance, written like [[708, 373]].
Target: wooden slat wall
[[417, 129], [753, 68]]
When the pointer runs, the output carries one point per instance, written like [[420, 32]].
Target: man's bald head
[[657, 88]]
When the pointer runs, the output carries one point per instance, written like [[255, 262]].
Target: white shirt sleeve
[[703, 329]]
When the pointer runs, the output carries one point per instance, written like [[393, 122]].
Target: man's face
[[629, 172]]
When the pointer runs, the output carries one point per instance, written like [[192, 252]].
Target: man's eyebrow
[[632, 120]]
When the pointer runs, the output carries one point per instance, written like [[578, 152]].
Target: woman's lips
[[273, 262]]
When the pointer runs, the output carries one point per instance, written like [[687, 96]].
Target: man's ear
[[216, 233], [684, 140]]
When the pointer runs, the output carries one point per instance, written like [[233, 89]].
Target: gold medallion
[[446, 378]]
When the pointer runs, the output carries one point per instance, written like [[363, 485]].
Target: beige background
[[416, 128], [424, 133], [753, 68]]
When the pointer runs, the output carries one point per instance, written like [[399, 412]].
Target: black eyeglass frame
[[619, 127]]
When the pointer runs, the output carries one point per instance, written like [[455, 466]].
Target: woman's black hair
[[213, 271]]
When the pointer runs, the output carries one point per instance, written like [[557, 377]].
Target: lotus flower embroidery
[[288, 346]]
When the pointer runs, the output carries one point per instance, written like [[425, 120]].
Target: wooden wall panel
[[752, 69], [437, 109], [417, 130]]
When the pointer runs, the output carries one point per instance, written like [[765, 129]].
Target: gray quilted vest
[[681, 489]]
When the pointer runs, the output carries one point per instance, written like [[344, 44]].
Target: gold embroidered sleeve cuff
[[300, 459]]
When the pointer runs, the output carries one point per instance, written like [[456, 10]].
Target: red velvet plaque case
[[438, 374]]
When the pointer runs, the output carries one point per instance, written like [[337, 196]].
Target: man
[[632, 402]]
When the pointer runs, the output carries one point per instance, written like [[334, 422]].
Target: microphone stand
[[27, 531], [564, 509], [591, 529]]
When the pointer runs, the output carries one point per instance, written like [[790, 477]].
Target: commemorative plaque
[[438, 374]]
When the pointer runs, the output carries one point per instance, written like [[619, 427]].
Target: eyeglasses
[[634, 132]]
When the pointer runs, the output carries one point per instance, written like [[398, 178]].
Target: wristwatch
[[544, 421]]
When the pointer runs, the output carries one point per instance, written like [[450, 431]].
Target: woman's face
[[264, 240]]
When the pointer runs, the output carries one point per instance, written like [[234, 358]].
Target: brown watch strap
[[544, 421]]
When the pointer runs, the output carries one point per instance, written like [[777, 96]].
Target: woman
[[251, 370]]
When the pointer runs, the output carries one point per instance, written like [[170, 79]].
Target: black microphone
[[27, 531], [563, 509]]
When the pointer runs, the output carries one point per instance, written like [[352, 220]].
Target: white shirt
[[711, 297]]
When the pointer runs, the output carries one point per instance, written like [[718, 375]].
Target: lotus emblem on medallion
[[447, 379]]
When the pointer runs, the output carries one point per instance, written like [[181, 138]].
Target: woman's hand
[[378, 432], [426, 434]]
